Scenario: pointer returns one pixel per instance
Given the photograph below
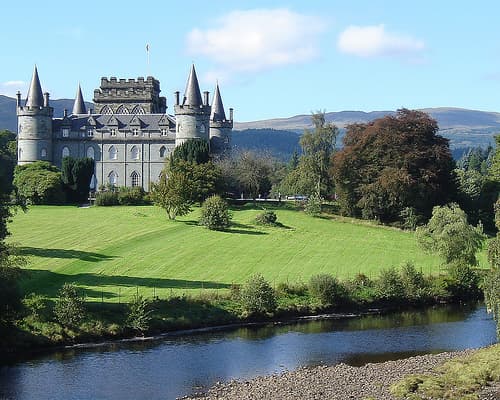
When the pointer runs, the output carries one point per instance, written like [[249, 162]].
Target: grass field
[[114, 251]]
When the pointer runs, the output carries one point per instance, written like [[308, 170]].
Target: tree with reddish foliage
[[392, 164]]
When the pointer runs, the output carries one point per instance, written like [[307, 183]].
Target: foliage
[[459, 378], [462, 281], [253, 173], [106, 198], [491, 289], [415, 286], [131, 196], [313, 205], [39, 183], [69, 308], [409, 218], [450, 236], [327, 289], [267, 217], [76, 174], [139, 315], [257, 296], [36, 305], [390, 286], [10, 291], [392, 163], [8, 160], [172, 192], [215, 214], [192, 151]]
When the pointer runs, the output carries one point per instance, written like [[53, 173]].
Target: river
[[179, 365]]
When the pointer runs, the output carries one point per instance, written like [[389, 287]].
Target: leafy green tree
[[76, 174], [205, 178], [253, 173], [39, 183], [491, 283], [449, 235], [69, 308], [193, 151], [313, 205], [173, 193], [215, 214], [392, 163], [327, 289], [139, 314], [257, 296], [8, 160]]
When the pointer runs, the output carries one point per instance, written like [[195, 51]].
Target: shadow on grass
[[63, 253], [48, 283], [235, 227]]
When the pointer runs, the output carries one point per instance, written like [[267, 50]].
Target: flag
[[147, 47]]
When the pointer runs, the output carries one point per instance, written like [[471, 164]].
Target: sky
[[272, 59]]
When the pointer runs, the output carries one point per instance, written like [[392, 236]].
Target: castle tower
[[34, 136], [193, 114], [79, 106], [220, 127]]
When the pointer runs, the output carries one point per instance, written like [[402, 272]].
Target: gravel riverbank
[[335, 382]]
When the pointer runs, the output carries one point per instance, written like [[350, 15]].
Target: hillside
[[113, 250]]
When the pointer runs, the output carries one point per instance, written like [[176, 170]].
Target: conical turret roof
[[192, 95], [79, 106], [218, 113], [35, 95]]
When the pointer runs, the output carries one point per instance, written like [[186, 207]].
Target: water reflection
[[180, 365]]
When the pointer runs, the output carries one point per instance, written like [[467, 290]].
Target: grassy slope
[[110, 251]]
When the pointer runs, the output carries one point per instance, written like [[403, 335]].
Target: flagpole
[[147, 52]]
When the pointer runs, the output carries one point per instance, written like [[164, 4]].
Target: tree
[[70, 306], [39, 183], [139, 315], [253, 173], [257, 296], [173, 193], [215, 213], [450, 236], [491, 284], [76, 174], [193, 151], [392, 163], [8, 160]]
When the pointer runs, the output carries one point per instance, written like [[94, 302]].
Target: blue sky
[[272, 58]]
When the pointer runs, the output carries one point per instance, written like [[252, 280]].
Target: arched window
[[113, 153], [122, 110], [113, 178], [106, 110], [20, 153], [135, 178], [134, 153], [43, 153], [163, 150], [65, 152], [138, 110], [90, 153]]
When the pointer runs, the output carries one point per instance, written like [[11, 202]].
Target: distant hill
[[280, 136]]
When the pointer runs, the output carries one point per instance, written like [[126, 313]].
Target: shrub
[[106, 198], [390, 286], [69, 309], [327, 289], [462, 281], [215, 214], [294, 289], [139, 316], [36, 305], [267, 217], [313, 205], [414, 283], [133, 196], [39, 183], [257, 296], [361, 289]]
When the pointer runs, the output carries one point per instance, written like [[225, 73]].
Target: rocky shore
[[338, 382]]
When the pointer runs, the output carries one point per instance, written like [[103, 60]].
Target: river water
[[180, 365]]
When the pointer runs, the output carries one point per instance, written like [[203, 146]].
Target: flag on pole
[[147, 47]]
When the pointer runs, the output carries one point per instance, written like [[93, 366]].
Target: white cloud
[[375, 41], [254, 40], [10, 88]]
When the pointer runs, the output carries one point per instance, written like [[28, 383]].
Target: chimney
[[205, 93], [18, 95], [231, 114], [45, 99], [177, 98], [65, 112]]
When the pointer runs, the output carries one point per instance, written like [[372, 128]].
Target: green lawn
[[114, 251]]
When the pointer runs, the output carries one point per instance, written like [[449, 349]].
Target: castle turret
[[34, 136], [193, 114], [220, 127], [79, 106]]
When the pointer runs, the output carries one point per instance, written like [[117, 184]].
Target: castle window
[[138, 110], [112, 178], [65, 132], [122, 110], [163, 150], [113, 153], [43, 153], [90, 132], [135, 132], [134, 153], [112, 132], [65, 152], [106, 110], [90, 153], [135, 178], [164, 132]]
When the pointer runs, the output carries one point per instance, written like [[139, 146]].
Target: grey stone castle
[[129, 134]]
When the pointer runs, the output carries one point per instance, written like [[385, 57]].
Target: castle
[[129, 135]]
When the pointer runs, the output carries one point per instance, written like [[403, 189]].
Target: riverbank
[[341, 381]]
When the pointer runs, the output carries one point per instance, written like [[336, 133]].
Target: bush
[[36, 305], [327, 289], [69, 309], [39, 183], [139, 317], [106, 199], [215, 214], [390, 286], [133, 196], [414, 283], [257, 296], [267, 217], [462, 281], [313, 205]]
